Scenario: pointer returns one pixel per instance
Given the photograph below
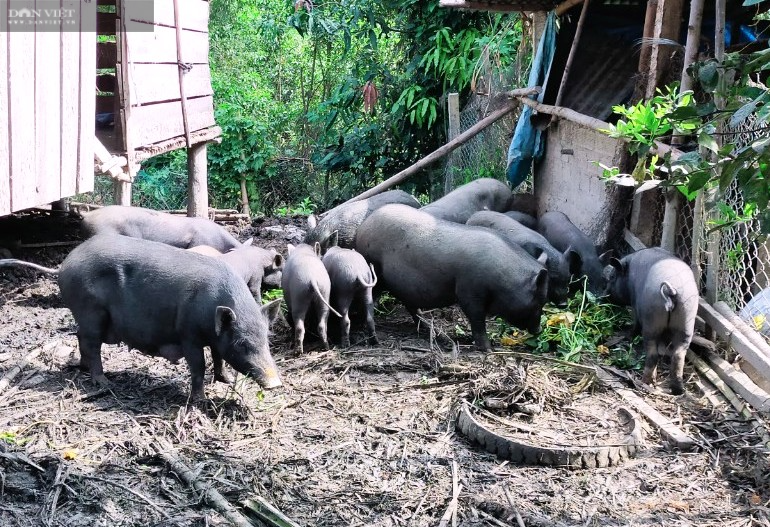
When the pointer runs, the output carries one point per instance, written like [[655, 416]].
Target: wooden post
[[122, 189], [670, 217], [668, 18], [453, 109], [197, 181]]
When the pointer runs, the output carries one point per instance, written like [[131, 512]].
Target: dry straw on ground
[[358, 437]]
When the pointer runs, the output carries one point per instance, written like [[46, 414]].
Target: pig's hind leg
[[679, 344], [651, 359], [93, 330]]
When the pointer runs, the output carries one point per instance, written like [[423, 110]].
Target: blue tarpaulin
[[526, 145]]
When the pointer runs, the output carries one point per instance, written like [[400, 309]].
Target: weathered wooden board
[[47, 116], [159, 46], [70, 106], [106, 55], [5, 174], [158, 122], [86, 129], [160, 83], [21, 84], [193, 14]]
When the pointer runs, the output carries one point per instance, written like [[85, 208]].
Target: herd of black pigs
[[169, 286]]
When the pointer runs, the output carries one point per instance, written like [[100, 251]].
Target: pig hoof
[[677, 388], [223, 377], [345, 343], [374, 341], [100, 380]]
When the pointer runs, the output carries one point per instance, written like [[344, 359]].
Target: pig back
[[346, 218], [647, 270], [426, 262], [148, 292], [177, 231], [462, 202]]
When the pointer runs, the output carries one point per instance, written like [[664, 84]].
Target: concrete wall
[[568, 180]]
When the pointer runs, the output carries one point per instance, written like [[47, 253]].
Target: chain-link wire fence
[[485, 155]]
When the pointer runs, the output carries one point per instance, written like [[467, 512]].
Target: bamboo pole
[[572, 53], [450, 146]]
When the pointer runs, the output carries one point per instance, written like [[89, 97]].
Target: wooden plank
[[5, 175], [673, 435], [106, 55], [158, 122], [160, 83], [159, 46], [85, 177], [754, 336], [47, 116], [70, 116], [21, 80], [106, 23], [739, 382], [194, 16], [735, 339]]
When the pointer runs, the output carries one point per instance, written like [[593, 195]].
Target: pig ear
[[277, 261], [574, 260], [271, 310], [616, 264], [224, 319], [311, 221], [541, 282], [317, 248], [248, 242], [333, 240], [543, 258]]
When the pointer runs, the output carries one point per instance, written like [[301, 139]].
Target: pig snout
[[266, 376]]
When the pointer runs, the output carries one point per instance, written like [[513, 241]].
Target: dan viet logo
[[45, 16]]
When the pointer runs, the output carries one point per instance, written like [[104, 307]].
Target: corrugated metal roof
[[501, 5]]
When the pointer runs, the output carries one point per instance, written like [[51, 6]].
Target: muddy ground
[[363, 436]]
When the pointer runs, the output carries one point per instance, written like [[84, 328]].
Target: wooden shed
[[101, 86], [154, 87], [47, 103]]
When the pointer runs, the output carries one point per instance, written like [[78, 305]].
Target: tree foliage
[[322, 100]]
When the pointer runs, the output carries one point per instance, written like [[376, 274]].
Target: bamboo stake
[[211, 495], [449, 147], [572, 53], [755, 338], [182, 69]]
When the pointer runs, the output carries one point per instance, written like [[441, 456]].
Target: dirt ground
[[362, 436]]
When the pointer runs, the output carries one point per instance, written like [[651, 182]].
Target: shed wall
[[46, 111], [568, 180]]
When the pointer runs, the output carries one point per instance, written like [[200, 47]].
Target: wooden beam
[[739, 382], [754, 337], [572, 53], [212, 134], [591, 122], [447, 148], [735, 339]]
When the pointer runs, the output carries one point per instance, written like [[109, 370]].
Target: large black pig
[[179, 231], [428, 263], [166, 302], [560, 232], [462, 202], [560, 265], [662, 291], [338, 225]]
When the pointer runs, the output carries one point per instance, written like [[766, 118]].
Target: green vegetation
[[320, 101], [577, 333], [732, 100]]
